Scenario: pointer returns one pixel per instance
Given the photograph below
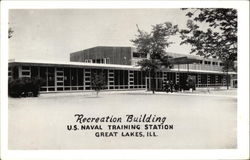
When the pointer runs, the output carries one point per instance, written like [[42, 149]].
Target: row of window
[[103, 60], [213, 63], [76, 77]]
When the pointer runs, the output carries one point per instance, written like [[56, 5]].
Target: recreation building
[[120, 69]]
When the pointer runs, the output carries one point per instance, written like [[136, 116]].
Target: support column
[[24, 72], [165, 76], [131, 79], [208, 80], [199, 80], [110, 79], [216, 80], [10, 73], [87, 79], [59, 79], [177, 78]]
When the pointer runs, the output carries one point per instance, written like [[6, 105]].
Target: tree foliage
[[98, 82], [219, 39], [154, 44]]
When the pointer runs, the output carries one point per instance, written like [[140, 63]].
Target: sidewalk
[[197, 92]]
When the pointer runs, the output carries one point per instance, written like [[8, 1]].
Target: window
[[67, 76], [135, 77], [98, 61], [59, 73], [139, 78], [80, 76], [126, 77], [51, 76], [88, 60], [73, 77], [59, 69], [43, 75], [139, 55], [59, 78], [25, 73], [116, 76], [207, 62], [136, 55], [121, 78], [34, 71], [107, 60], [25, 68]]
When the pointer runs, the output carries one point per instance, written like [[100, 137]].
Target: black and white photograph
[[123, 78]]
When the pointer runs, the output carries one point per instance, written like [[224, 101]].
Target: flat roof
[[75, 64], [97, 65]]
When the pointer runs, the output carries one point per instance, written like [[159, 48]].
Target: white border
[[243, 91]]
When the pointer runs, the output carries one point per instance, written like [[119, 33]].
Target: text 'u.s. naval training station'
[[129, 125]]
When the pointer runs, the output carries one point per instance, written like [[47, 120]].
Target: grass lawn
[[201, 121]]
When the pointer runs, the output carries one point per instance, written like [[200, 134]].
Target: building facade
[[118, 65]]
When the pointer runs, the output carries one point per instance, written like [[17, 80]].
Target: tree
[[98, 82], [154, 44], [218, 40]]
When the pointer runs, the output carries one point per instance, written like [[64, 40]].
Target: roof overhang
[[73, 64]]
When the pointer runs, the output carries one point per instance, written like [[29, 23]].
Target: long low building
[[118, 65]]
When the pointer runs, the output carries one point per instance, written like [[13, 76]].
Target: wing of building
[[119, 66]]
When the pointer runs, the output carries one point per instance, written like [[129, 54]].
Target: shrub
[[22, 87]]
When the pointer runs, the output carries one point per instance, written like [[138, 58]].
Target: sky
[[52, 34]]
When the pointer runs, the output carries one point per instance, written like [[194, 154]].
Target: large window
[[15, 72], [43, 75], [51, 76], [139, 78], [126, 77], [135, 77], [116, 77], [203, 79], [121, 77], [73, 77], [80, 76], [66, 76], [143, 78], [212, 79], [34, 71]]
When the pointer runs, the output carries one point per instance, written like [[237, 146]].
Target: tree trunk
[[153, 81], [227, 80]]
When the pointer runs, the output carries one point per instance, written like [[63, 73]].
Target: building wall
[[76, 78], [125, 56], [114, 55]]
